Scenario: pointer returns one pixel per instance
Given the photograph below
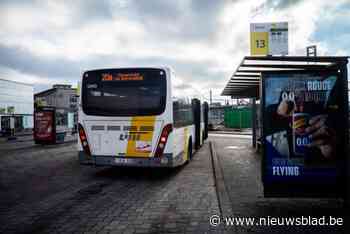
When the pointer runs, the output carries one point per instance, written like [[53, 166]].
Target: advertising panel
[[269, 38], [44, 125], [302, 127]]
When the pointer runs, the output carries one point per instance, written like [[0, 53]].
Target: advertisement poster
[[303, 133], [44, 125]]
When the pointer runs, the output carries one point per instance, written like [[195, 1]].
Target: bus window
[[124, 92], [183, 114]]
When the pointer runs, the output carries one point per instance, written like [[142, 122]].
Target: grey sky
[[46, 42]]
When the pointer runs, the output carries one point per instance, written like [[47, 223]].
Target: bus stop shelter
[[249, 80], [246, 79]]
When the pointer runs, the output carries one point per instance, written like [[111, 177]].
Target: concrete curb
[[230, 132], [223, 198], [5, 139]]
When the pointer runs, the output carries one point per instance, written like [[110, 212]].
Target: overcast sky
[[48, 42]]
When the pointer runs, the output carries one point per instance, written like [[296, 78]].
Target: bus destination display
[[122, 77]]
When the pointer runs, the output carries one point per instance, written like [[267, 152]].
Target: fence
[[238, 117]]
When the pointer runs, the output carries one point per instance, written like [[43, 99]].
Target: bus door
[[196, 107], [206, 111]]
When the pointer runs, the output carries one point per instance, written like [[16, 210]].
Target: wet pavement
[[241, 167], [45, 190]]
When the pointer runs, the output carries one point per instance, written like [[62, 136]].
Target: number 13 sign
[[259, 43], [269, 38]]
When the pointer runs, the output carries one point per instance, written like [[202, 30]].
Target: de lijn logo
[[129, 137]]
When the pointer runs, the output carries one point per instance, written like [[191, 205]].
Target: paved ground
[[241, 170], [44, 190], [25, 141], [24, 135]]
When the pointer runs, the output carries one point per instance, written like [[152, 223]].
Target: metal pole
[[211, 98], [14, 125], [240, 120], [344, 72], [254, 122]]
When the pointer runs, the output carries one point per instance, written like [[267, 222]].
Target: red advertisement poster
[[44, 125]]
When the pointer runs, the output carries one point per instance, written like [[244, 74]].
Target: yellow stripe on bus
[[145, 137], [185, 156]]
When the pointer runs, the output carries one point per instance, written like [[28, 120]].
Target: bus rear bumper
[[101, 160]]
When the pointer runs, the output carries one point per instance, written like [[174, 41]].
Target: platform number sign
[[259, 43], [269, 38]]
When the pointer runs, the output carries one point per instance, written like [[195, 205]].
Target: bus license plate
[[123, 160]]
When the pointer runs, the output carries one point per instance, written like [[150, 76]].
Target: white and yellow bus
[[135, 117]]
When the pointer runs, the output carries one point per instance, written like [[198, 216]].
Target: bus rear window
[[124, 92]]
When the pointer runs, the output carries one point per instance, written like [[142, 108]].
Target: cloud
[[202, 40], [332, 29], [25, 62], [282, 4], [39, 82], [184, 20], [59, 69], [85, 11], [159, 10]]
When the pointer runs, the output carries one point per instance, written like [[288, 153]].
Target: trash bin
[[60, 136]]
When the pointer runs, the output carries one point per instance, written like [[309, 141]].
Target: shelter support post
[[254, 122], [344, 72]]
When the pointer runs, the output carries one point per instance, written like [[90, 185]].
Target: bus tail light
[[83, 140], [163, 139]]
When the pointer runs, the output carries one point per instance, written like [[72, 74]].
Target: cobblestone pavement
[[241, 170], [25, 142], [25, 137], [45, 190]]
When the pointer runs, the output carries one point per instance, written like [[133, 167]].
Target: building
[[59, 96], [64, 98], [16, 106]]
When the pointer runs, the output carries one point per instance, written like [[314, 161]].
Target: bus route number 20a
[[129, 137]]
